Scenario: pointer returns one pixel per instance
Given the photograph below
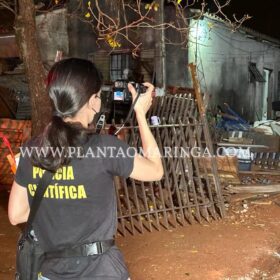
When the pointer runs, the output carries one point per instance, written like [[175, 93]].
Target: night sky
[[265, 14]]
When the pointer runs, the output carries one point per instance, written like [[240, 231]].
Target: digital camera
[[121, 91]]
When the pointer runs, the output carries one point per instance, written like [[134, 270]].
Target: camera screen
[[118, 95]]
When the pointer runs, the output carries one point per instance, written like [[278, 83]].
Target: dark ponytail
[[71, 83]]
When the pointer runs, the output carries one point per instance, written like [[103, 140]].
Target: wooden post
[[160, 55], [209, 144], [197, 90]]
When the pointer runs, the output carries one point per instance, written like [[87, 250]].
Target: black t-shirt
[[79, 207]]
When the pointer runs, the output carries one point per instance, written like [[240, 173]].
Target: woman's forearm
[[150, 147], [18, 207]]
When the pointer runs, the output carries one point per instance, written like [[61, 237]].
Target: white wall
[[224, 56]]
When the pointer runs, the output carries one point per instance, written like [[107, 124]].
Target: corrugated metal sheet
[[14, 82], [14, 98], [24, 111]]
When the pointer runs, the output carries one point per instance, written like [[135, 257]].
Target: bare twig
[[8, 5], [118, 26]]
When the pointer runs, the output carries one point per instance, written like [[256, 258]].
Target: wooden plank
[[274, 188], [224, 163]]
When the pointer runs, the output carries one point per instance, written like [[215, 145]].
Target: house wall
[[176, 54], [222, 58], [52, 34], [221, 55], [82, 43], [82, 39]]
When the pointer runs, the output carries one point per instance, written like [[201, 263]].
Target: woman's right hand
[[144, 102]]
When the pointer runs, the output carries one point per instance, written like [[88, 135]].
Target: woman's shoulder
[[104, 140]]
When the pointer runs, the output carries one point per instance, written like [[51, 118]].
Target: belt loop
[[99, 247]]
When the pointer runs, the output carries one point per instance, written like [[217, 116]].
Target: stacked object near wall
[[17, 132]]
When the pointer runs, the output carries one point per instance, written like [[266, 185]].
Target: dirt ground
[[243, 246]]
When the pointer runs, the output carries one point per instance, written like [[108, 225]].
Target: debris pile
[[249, 164]]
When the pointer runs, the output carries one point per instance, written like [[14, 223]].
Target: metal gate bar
[[186, 193]]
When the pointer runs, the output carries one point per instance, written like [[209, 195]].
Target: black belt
[[85, 250]]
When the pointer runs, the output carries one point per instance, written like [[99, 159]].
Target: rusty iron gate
[[188, 192]]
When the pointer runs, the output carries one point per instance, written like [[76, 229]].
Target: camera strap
[[128, 115], [39, 193]]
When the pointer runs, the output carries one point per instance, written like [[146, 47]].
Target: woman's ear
[[91, 101], [94, 102]]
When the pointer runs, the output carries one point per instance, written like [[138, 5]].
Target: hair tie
[[57, 114]]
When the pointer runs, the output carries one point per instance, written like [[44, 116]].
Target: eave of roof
[[258, 36]]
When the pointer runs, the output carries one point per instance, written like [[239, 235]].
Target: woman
[[79, 205]]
